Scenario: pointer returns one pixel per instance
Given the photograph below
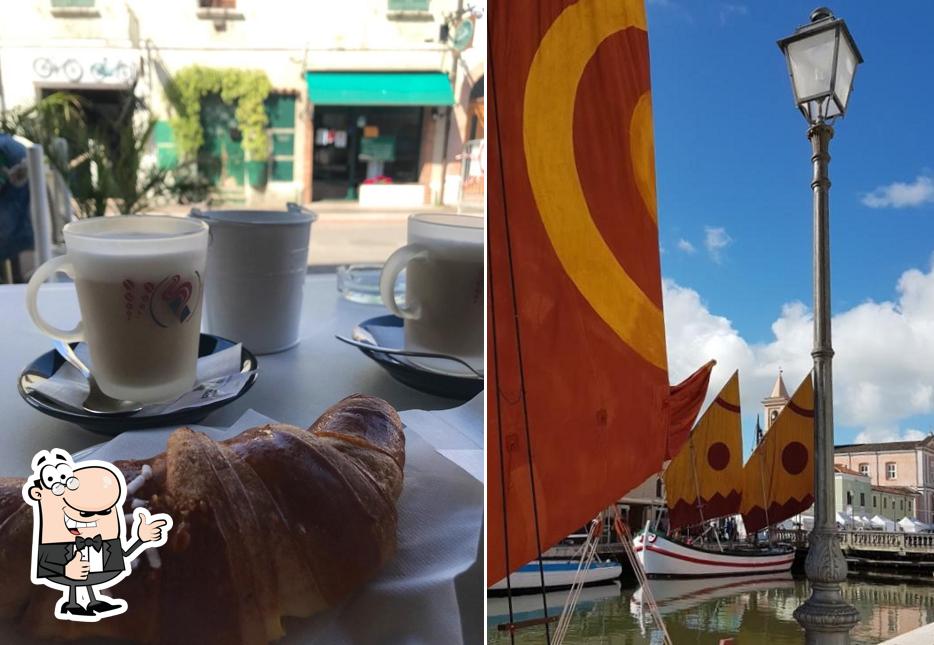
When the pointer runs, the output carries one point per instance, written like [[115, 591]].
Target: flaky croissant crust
[[277, 521]]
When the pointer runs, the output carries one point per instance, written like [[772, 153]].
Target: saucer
[[436, 375], [46, 365]]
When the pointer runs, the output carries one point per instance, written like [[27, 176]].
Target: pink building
[[908, 464]]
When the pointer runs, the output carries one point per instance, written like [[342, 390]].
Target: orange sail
[[685, 400], [577, 366], [778, 479], [705, 479]]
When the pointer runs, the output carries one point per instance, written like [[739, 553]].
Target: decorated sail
[[778, 479], [705, 479], [578, 385]]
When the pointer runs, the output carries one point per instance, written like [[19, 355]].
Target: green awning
[[379, 88]]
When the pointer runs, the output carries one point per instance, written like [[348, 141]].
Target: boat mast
[[765, 502], [700, 504]]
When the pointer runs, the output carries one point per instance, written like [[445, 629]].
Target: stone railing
[[902, 543]]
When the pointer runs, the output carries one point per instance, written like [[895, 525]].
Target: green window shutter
[[280, 108], [72, 3], [408, 5], [166, 152], [282, 170], [283, 144]]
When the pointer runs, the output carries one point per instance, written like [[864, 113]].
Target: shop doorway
[[354, 144]]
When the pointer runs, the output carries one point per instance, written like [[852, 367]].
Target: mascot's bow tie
[[81, 543]]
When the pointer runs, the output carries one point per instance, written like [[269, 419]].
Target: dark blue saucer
[[387, 331], [46, 365]]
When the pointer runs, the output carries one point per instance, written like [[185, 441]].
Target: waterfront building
[[896, 467], [645, 503], [852, 493], [894, 502], [385, 90]]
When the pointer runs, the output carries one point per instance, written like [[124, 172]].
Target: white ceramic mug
[[443, 309], [139, 280], [257, 261]]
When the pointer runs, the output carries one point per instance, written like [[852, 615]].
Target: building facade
[[894, 502], [388, 91], [896, 465], [852, 493]]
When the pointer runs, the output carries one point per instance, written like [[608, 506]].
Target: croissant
[[277, 521]]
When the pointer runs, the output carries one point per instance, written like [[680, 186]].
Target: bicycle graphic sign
[[96, 71]]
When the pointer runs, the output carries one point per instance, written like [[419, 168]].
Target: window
[[280, 109], [862, 499], [58, 4], [864, 469], [874, 501], [217, 4], [885, 502], [901, 505], [849, 498], [658, 488], [890, 471], [408, 5]]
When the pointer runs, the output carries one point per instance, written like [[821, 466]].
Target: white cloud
[[675, 8], [879, 435], [728, 10], [687, 247], [716, 239], [883, 368], [902, 195]]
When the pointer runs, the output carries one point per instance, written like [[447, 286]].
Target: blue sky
[[733, 177]]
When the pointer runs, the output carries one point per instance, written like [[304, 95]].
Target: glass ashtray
[[360, 283]]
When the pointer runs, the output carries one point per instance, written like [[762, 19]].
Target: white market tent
[[912, 525], [882, 523]]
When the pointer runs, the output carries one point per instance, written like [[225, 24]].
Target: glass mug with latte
[[443, 309], [139, 280]]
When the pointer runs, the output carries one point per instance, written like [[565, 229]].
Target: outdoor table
[[293, 387]]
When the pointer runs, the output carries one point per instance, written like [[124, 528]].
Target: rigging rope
[[622, 530], [588, 552], [515, 309]]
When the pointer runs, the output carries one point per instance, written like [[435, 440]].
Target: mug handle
[[387, 279], [55, 265]]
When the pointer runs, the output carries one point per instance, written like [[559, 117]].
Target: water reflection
[[751, 609]]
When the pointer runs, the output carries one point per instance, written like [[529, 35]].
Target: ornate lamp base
[[826, 617]]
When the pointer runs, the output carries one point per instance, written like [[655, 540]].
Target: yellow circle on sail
[[642, 151], [548, 137]]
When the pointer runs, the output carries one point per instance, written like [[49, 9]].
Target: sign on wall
[[84, 69]]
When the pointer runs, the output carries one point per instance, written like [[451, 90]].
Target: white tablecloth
[[293, 387]]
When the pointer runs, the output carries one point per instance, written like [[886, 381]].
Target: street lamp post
[[822, 60]]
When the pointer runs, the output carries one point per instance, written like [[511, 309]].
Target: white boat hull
[[660, 556], [558, 574]]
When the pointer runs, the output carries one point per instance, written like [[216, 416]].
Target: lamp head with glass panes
[[822, 60]]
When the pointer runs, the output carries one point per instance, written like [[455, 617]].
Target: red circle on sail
[[794, 457], [718, 456]]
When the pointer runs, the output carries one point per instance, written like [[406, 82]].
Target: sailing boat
[[706, 481], [580, 408], [778, 479]]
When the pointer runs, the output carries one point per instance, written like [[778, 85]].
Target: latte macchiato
[[139, 281]]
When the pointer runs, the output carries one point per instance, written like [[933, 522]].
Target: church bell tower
[[775, 402]]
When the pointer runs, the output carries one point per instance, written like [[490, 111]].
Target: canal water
[[751, 609]]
